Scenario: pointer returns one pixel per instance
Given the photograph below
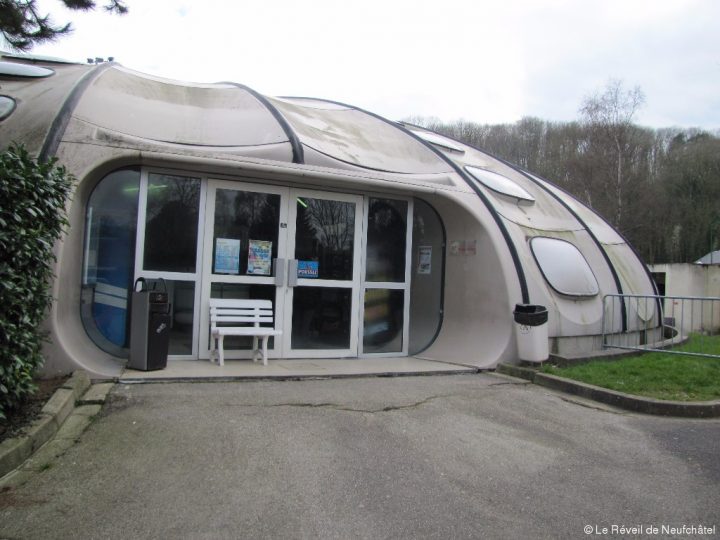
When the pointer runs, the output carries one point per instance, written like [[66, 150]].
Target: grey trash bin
[[149, 327], [531, 330]]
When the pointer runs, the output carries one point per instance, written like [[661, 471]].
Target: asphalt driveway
[[462, 456]]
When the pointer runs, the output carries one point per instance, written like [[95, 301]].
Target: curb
[[685, 409], [61, 422]]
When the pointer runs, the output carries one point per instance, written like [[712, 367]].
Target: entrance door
[[298, 248], [323, 288], [244, 254]]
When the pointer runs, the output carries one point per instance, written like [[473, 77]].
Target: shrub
[[32, 218]]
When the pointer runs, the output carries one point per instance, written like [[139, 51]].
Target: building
[[400, 241], [692, 293]]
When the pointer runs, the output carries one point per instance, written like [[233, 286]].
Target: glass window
[[171, 225], [7, 106], [321, 318], [564, 267], [181, 296], [13, 69], [386, 240], [249, 219], [383, 320], [325, 234], [499, 183], [426, 285], [439, 140], [109, 260]]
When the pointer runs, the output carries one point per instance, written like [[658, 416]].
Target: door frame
[[391, 285], [208, 278], [354, 283], [197, 276]]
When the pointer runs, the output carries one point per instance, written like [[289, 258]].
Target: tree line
[[659, 187]]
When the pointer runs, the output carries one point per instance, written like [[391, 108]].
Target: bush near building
[[32, 218]]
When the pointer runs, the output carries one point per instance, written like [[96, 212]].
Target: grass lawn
[[656, 374]]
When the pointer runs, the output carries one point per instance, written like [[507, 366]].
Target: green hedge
[[32, 218]]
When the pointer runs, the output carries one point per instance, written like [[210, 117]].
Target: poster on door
[[227, 256], [308, 269], [259, 258]]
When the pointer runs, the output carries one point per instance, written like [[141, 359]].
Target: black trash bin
[[149, 327], [532, 332]]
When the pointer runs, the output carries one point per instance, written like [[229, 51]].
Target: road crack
[[339, 407]]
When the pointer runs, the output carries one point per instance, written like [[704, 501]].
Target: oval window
[[438, 140], [499, 183], [564, 267], [13, 69], [7, 106]]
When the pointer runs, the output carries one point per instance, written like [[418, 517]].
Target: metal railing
[[688, 325]]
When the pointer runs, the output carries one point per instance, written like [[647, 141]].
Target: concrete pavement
[[461, 456]]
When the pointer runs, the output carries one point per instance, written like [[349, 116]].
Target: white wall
[[692, 280]]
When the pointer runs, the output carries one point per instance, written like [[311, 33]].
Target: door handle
[[279, 272], [292, 272]]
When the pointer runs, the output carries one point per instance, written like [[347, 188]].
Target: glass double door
[[299, 248]]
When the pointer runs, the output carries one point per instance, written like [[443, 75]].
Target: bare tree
[[609, 116]]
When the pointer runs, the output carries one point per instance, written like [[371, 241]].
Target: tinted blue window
[[109, 259]]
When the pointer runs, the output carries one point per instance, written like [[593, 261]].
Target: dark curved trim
[[442, 278], [297, 149], [57, 128], [498, 220], [12, 109], [529, 176]]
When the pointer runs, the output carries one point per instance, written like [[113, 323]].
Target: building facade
[[370, 237]]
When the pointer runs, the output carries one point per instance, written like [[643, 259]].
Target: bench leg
[[221, 356], [255, 350], [264, 349]]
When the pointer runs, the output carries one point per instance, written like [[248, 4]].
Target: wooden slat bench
[[239, 317]]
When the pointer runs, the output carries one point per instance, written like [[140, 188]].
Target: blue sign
[[308, 269]]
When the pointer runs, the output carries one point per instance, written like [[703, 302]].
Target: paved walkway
[[458, 456]]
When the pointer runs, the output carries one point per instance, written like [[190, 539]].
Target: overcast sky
[[483, 61]]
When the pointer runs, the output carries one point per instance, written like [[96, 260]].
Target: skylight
[[499, 183]]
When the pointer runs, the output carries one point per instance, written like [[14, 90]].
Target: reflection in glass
[[321, 318], [326, 234], [383, 320], [109, 260], [171, 224], [181, 296], [386, 240], [246, 216], [245, 291]]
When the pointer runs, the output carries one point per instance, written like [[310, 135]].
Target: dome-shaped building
[[370, 237]]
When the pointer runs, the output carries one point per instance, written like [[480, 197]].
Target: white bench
[[237, 317]]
